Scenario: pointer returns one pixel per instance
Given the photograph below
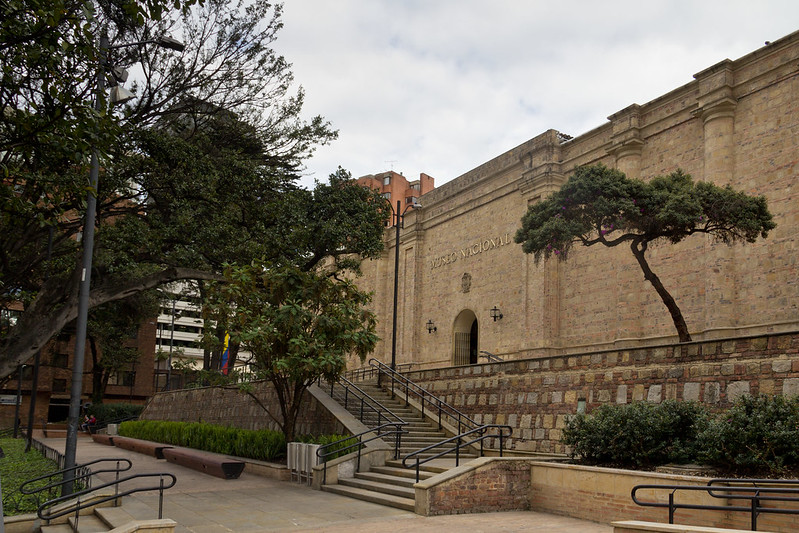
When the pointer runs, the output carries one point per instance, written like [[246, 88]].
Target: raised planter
[[603, 495]]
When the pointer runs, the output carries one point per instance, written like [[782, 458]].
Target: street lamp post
[[168, 385], [76, 389], [399, 217], [20, 368]]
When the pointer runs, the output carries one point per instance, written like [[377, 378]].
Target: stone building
[[736, 123]]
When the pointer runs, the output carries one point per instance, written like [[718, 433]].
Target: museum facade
[[465, 288]]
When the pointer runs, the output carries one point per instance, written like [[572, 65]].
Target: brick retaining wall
[[535, 396], [229, 407], [481, 486]]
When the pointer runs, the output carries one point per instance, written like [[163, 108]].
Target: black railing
[[94, 501], [367, 407], [332, 449], [491, 357], [755, 491], [459, 442], [81, 480], [425, 398], [369, 372]]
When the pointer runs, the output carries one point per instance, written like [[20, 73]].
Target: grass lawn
[[16, 468]]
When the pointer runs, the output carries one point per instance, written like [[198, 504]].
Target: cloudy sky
[[441, 86]]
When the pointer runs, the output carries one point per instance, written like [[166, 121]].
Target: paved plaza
[[200, 503]]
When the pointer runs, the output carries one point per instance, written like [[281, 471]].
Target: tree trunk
[[639, 249], [216, 353], [207, 325], [53, 308], [97, 373]]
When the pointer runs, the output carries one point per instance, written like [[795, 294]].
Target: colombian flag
[[226, 355]]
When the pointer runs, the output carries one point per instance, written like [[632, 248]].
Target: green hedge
[[636, 435], [757, 436], [111, 413], [263, 445]]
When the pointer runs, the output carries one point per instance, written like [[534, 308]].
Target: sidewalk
[[200, 503]]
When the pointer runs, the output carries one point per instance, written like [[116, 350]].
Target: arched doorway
[[465, 341]]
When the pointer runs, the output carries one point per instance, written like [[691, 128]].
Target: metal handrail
[[93, 502], [491, 357], [366, 372], [463, 421], [398, 430], [481, 436], [82, 472], [366, 402], [754, 494]]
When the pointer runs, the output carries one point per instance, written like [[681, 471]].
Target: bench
[[102, 438], [215, 465], [146, 447]]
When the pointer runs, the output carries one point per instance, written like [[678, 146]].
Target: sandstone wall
[[734, 124], [535, 396], [229, 407]]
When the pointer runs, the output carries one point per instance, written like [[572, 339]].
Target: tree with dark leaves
[[599, 205]]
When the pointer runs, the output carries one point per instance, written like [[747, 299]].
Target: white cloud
[[441, 86]]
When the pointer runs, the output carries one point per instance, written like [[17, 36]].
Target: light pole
[[20, 368], [168, 385], [399, 217], [76, 389]]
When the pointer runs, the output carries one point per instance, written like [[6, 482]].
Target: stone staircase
[[392, 484], [104, 519]]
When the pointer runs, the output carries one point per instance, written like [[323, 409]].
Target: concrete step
[[378, 486], [407, 504], [397, 470], [57, 528], [464, 457], [423, 442], [425, 433], [115, 517], [425, 470], [428, 431], [405, 450], [88, 524], [385, 478]]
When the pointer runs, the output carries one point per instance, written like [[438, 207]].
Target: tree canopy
[[199, 171], [599, 205], [298, 325], [112, 327]]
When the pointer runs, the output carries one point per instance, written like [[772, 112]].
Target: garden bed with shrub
[[756, 437], [261, 445]]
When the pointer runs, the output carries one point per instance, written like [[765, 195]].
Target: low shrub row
[[757, 436], [262, 445], [113, 413]]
